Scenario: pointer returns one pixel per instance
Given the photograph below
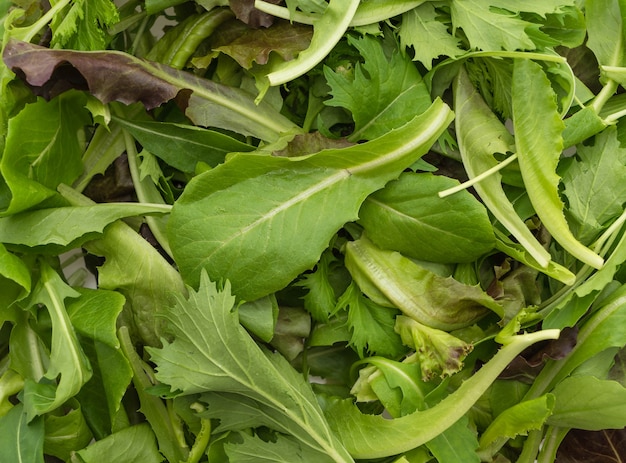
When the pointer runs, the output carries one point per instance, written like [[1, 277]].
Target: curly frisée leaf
[[209, 351]]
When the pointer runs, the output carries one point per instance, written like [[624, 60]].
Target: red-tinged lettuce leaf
[[604, 446], [256, 45], [116, 76]]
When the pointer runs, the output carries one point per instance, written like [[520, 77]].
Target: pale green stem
[[478, 178]]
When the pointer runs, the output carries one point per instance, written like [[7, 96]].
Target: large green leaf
[[299, 204], [227, 360], [590, 403], [409, 217]]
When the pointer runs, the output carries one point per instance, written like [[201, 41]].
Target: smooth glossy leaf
[[409, 217], [300, 203], [604, 19], [590, 403], [183, 146], [205, 102], [66, 433], [14, 277]]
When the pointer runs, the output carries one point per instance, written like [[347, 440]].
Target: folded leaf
[[539, 143], [299, 204]]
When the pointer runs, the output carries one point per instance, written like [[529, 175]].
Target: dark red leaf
[[246, 12]]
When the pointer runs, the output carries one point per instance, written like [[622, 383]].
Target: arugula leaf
[[183, 146], [68, 363], [284, 231], [50, 226], [385, 92], [238, 367]]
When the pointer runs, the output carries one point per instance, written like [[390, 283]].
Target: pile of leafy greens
[[376, 230]]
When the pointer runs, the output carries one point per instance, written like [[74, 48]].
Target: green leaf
[[83, 25], [130, 445], [373, 436], [391, 279], [371, 325], [422, 29], [21, 440], [117, 76], [455, 444], [438, 353], [226, 359], [66, 433], [515, 421], [68, 225], [320, 300], [94, 317], [604, 20], [284, 231], [407, 216], [42, 150], [68, 364], [183, 146], [14, 277], [480, 134], [385, 92], [496, 24], [594, 185], [590, 403], [539, 143], [284, 450]]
